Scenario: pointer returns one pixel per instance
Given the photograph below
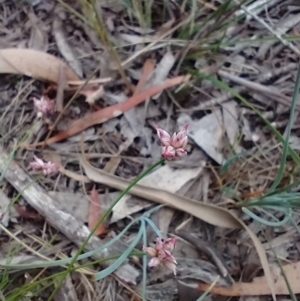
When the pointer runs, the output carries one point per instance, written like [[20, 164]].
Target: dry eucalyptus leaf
[[208, 212], [207, 133], [230, 118], [259, 285], [164, 177], [34, 63]]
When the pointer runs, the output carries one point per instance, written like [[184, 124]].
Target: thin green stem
[[287, 134], [102, 219]]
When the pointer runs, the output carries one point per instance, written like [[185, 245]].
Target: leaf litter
[[222, 128]]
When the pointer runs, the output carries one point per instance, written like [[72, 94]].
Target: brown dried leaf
[[34, 63], [26, 214], [95, 213], [259, 285], [210, 213]]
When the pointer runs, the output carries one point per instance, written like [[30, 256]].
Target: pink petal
[[183, 132], [180, 152], [180, 140], [168, 152], [35, 166], [150, 251], [38, 160], [43, 105], [163, 254], [154, 262], [163, 136], [179, 143], [159, 244], [171, 258], [47, 168], [170, 243], [170, 266]]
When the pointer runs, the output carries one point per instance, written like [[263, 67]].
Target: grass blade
[[123, 257], [288, 133]]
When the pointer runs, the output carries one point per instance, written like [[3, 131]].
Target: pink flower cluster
[[43, 106], [47, 168], [173, 147], [161, 254]]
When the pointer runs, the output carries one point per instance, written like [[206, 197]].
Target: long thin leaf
[[153, 226], [210, 213], [288, 133], [144, 280], [123, 257]]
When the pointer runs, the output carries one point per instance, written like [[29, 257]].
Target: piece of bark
[[76, 231], [188, 291], [67, 291], [4, 208]]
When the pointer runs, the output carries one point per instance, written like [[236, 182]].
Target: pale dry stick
[[257, 7], [270, 29], [272, 91], [91, 82], [281, 28], [219, 100], [276, 72], [251, 85], [76, 231], [215, 101], [16, 98]]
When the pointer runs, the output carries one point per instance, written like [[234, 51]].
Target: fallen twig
[[76, 231]]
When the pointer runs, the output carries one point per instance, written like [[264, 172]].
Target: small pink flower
[[161, 254], [43, 106], [180, 152], [163, 136], [170, 244], [154, 262], [180, 140], [168, 152], [173, 147], [150, 251], [47, 168]]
